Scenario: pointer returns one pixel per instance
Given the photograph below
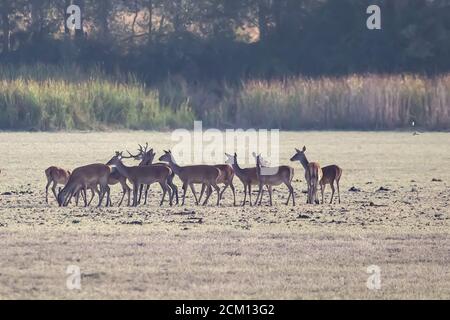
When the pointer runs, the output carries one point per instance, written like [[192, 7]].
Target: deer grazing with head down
[[143, 175], [313, 174], [274, 176], [194, 174], [55, 176], [83, 178]]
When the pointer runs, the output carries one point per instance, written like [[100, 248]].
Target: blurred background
[[288, 64]]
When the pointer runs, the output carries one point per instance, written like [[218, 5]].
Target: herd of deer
[[98, 177]]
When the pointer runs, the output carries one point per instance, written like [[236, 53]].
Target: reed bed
[[353, 102], [65, 98]]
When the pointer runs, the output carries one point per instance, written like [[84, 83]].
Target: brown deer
[[55, 176], [146, 159], [114, 178], [226, 178], [313, 174], [330, 174], [143, 175], [83, 178], [247, 176], [274, 176], [190, 175]]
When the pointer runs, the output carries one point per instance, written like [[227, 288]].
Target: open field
[[233, 252]]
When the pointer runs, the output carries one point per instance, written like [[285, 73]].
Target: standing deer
[[329, 175], [190, 175], [247, 176], [146, 158], [274, 176], [83, 178], [114, 178], [143, 175], [313, 174], [226, 177], [56, 176]]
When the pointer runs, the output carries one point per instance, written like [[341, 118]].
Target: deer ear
[[296, 150], [304, 148], [254, 154], [235, 154]]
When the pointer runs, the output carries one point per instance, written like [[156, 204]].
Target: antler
[[132, 156], [142, 149]]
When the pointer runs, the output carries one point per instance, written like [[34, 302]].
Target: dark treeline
[[230, 39]]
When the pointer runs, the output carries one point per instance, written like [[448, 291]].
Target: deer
[[313, 174], [330, 174], [226, 178], [190, 175], [274, 176], [83, 178], [247, 176], [114, 178], [146, 159], [55, 176], [143, 175]]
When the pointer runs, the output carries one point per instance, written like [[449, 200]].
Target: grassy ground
[[233, 252]]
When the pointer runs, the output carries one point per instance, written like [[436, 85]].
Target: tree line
[[229, 39]]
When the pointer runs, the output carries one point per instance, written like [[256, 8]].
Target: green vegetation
[[59, 98], [50, 98]]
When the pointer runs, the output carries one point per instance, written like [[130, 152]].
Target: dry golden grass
[[233, 252]]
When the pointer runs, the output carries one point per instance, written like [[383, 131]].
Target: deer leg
[[322, 190], [245, 195], [141, 188], [184, 193], [218, 193], [208, 194], [147, 187], [269, 189], [332, 191], [124, 191], [259, 195], [93, 191], [234, 193], [202, 191], [54, 189], [191, 185], [169, 190], [291, 193], [270, 195], [164, 189], [289, 196], [135, 194], [339, 194], [46, 190], [225, 188], [250, 194], [173, 187], [102, 194], [129, 196]]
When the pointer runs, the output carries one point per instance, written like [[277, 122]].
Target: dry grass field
[[279, 252]]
